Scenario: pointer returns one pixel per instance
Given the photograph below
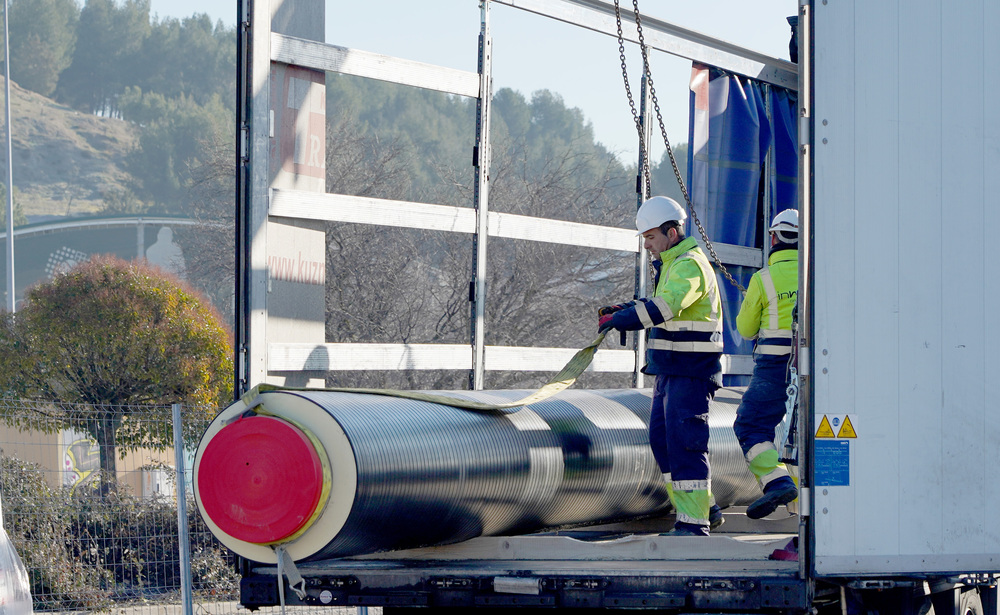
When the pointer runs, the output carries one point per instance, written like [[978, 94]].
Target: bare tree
[[396, 285], [210, 202], [388, 284], [546, 294], [403, 285]]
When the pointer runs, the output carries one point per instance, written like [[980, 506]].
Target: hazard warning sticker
[[837, 426], [834, 433], [824, 430]]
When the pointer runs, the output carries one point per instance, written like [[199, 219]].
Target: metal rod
[[334, 58], [10, 164], [241, 247], [807, 281], [481, 201], [641, 272], [183, 540], [599, 16], [140, 239]]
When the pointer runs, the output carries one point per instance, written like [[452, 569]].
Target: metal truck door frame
[[904, 425]]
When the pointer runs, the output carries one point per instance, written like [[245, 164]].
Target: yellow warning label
[[847, 429], [824, 431]]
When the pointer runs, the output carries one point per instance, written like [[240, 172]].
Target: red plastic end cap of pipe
[[260, 479]]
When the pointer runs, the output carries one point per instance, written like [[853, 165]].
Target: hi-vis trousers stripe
[[682, 518], [767, 479], [776, 473]]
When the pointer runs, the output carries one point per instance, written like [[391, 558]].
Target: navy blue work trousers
[[678, 426], [763, 404]]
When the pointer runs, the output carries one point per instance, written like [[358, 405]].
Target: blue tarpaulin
[[736, 124]]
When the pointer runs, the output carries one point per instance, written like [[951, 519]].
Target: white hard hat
[[786, 226], [657, 210]]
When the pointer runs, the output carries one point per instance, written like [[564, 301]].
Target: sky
[[531, 52]]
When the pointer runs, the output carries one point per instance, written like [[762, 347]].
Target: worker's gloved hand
[[611, 309], [604, 323]]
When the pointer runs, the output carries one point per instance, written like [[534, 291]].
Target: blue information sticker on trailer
[[833, 463]]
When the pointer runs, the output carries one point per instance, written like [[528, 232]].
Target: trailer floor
[[627, 565], [635, 547]]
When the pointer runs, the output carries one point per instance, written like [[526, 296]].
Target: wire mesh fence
[[89, 498]]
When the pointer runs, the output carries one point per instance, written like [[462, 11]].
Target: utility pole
[[10, 163]]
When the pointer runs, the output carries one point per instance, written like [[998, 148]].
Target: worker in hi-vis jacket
[[766, 316], [684, 352]]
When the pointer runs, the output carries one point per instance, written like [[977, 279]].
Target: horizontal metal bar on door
[[731, 254], [338, 357], [291, 357], [737, 364], [301, 204], [663, 36], [333, 58], [364, 210]]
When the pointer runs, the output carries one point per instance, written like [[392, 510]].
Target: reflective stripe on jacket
[[766, 312], [684, 316]]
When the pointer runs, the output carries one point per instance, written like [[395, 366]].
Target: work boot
[[781, 491], [715, 518], [687, 529]]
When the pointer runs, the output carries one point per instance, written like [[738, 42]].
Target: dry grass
[[64, 160]]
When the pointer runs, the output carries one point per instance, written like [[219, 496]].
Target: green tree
[[85, 85], [206, 58], [107, 55], [19, 218], [42, 40], [170, 142], [190, 56], [662, 177], [122, 202], [106, 337]]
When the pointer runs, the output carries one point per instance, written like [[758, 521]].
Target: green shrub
[[39, 522], [87, 549]]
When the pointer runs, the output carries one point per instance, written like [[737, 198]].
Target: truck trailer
[[896, 156]]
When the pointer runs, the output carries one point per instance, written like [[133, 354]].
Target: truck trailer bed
[[610, 566]]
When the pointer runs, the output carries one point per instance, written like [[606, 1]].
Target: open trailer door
[[904, 344]]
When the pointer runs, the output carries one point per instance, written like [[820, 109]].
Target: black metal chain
[[644, 159], [663, 133]]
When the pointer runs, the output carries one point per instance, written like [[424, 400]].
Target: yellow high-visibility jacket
[[766, 312], [683, 317]]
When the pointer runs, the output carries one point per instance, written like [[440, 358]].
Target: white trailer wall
[[906, 151]]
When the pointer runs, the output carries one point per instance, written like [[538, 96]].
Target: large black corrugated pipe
[[331, 474]]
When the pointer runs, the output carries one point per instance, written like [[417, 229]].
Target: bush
[[85, 549], [39, 520]]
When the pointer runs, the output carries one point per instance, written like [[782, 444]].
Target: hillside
[[64, 160]]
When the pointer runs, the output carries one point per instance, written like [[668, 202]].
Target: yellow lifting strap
[[560, 382]]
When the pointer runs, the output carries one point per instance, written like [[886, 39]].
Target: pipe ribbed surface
[[400, 473]]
